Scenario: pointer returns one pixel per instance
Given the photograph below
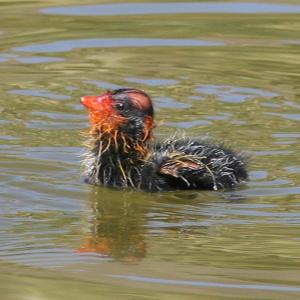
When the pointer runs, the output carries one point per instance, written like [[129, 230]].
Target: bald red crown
[[106, 113], [138, 97]]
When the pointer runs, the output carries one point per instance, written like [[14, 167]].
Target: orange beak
[[89, 101], [97, 103], [101, 110]]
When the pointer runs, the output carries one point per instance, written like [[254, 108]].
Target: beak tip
[[82, 99], [85, 101]]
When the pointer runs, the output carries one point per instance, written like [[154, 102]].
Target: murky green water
[[234, 77]]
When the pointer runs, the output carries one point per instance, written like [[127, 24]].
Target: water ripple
[[267, 287], [69, 45], [233, 94], [152, 81], [172, 8], [167, 102], [39, 93], [38, 59]]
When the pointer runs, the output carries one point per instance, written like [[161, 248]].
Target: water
[[69, 45], [172, 8], [232, 77]]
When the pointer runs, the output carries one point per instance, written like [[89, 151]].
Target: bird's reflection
[[121, 220], [117, 227]]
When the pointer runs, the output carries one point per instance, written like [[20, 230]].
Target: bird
[[122, 153]]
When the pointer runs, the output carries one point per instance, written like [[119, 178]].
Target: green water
[[233, 77]]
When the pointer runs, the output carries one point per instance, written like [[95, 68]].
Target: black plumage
[[122, 153]]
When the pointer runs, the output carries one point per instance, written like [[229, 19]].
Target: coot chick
[[121, 151]]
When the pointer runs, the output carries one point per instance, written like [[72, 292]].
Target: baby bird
[[121, 151]]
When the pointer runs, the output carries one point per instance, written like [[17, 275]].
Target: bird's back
[[186, 163]]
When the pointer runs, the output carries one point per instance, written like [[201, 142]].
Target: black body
[[217, 167], [127, 157]]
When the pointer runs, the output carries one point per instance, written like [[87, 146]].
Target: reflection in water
[[117, 229], [152, 81], [188, 124], [39, 93], [69, 45], [145, 81], [167, 102], [293, 117], [172, 8], [270, 287], [234, 94], [38, 59], [103, 84], [245, 237], [5, 57]]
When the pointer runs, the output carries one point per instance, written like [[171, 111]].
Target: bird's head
[[126, 112]]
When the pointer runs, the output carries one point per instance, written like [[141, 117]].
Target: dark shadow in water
[[117, 227], [172, 8], [121, 220]]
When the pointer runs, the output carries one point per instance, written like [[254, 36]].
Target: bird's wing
[[188, 168], [177, 161]]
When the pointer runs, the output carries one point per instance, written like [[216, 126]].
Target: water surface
[[230, 72], [69, 45], [174, 8]]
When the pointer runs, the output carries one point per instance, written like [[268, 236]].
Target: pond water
[[225, 70]]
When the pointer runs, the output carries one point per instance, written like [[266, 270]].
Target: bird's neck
[[113, 158]]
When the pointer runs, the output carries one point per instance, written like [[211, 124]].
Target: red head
[[129, 111]]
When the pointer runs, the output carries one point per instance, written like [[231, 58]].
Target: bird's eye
[[119, 106]]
